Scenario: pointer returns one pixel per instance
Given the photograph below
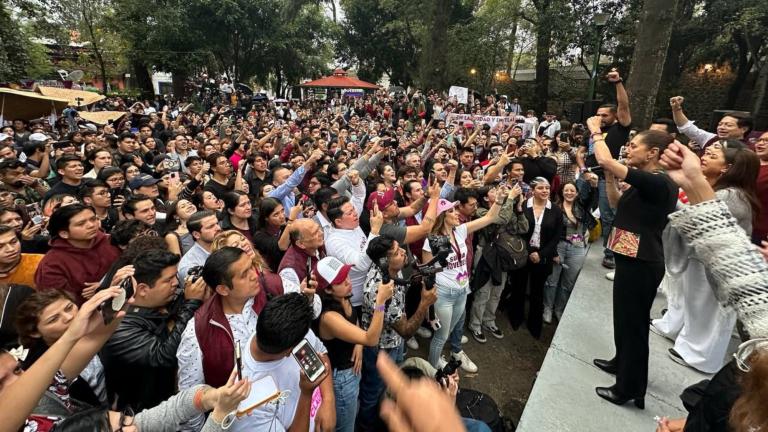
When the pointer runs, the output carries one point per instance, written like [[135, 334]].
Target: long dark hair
[[742, 173], [266, 208]]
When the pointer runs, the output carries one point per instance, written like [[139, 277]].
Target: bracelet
[[596, 133], [379, 308], [197, 401], [621, 80]]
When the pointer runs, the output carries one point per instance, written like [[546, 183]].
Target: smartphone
[[35, 213], [308, 360], [511, 149], [110, 308], [309, 270], [238, 360], [480, 175]]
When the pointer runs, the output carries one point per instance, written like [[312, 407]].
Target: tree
[[653, 34], [85, 21], [13, 55], [166, 39], [381, 38]]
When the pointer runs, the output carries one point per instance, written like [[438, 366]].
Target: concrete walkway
[[563, 398]]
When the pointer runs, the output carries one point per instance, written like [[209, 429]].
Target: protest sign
[[461, 93]]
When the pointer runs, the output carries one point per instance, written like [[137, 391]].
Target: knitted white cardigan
[[737, 270]]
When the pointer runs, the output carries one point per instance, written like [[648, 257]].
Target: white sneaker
[[412, 343], [464, 339], [610, 275], [467, 365], [547, 315], [423, 333], [441, 362]]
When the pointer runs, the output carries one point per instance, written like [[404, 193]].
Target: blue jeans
[[372, 386], [560, 283], [449, 309], [473, 425], [606, 216], [346, 386]]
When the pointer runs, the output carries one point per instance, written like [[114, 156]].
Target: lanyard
[[456, 248]]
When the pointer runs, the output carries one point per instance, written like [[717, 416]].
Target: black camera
[[449, 369], [441, 248]]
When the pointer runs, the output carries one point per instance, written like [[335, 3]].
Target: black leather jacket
[[140, 358]]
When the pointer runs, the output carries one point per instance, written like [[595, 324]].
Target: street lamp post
[[473, 72], [600, 19]]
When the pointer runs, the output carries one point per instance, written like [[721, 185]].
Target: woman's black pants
[[634, 288], [533, 276]]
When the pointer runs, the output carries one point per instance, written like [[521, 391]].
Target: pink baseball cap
[[444, 204]]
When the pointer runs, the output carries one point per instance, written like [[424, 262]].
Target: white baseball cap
[[331, 271], [4, 137], [39, 137]]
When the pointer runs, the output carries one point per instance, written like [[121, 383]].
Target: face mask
[[353, 137]]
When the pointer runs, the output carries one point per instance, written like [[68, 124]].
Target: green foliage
[[13, 55], [40, 65], [382, 37]]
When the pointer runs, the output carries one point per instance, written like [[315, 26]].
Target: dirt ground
[[507, 367]]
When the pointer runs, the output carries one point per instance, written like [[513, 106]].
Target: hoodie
[[69, 268]]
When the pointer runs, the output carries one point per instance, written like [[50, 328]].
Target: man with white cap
[[36, 154], [6, 140]]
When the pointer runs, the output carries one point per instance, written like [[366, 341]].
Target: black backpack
[[479, 406]]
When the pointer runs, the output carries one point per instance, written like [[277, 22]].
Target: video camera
[[441, 248]]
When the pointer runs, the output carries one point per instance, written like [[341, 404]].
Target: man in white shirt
[[282, 324], [347, 242], [203, 226], [550, 126], [229, 317]]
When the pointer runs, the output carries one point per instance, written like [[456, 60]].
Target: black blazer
[[551, 231]]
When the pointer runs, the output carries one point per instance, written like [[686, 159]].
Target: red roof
[[339, 79]]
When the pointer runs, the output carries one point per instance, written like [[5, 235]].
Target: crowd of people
[[159, 270]]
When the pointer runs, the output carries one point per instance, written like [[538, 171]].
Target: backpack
[[479, 406], [507, 251]]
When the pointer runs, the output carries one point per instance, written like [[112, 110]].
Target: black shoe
[[609, 263], [479, 336], [610, 394], [608, 366]]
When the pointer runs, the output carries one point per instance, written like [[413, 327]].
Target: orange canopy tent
[[339, 79]]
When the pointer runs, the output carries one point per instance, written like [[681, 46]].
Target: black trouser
[[634, 288], [533, 275]]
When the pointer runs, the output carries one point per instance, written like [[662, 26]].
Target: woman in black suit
[[545, 221]]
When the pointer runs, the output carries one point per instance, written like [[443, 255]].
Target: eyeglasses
[[762, 140]]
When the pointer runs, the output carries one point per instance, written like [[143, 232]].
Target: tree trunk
[[178, 81], [760, 87], [143, 79], [513, 38], [742, 71], [543, 42], [654, 30], [435, 52]]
